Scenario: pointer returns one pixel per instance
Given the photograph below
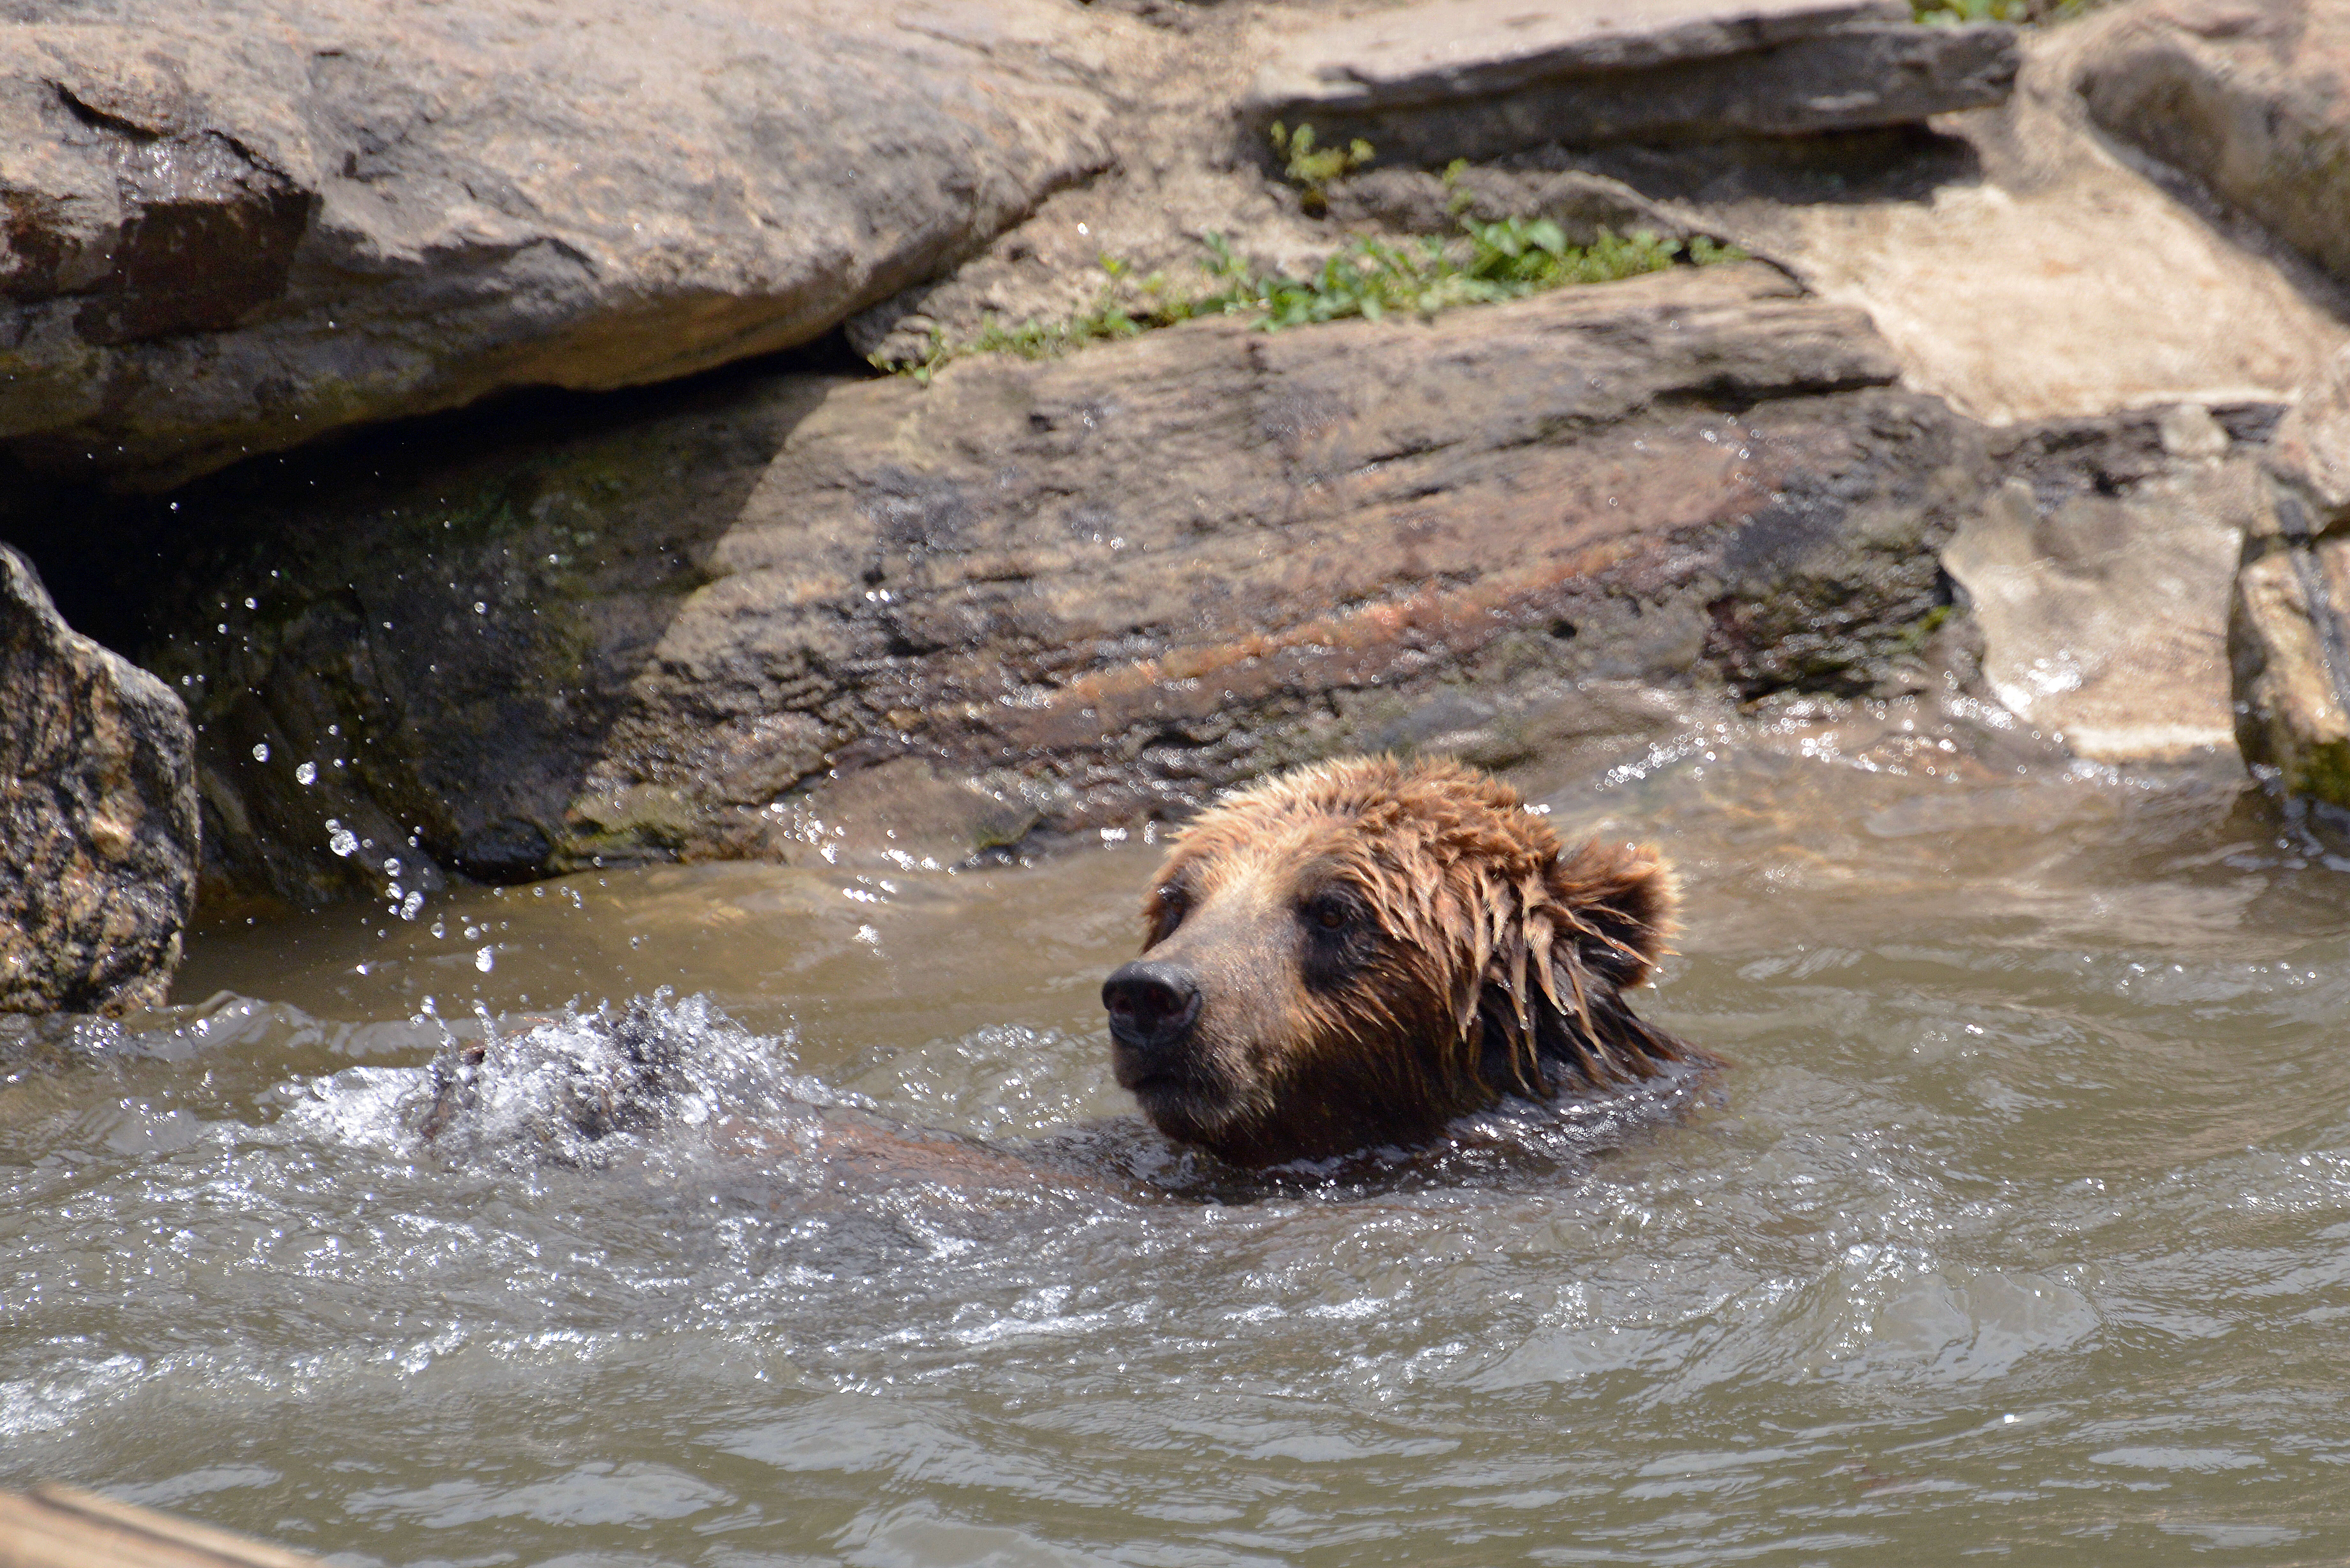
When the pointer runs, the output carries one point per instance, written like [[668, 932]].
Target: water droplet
[[484, 960], [261, 753], [344, 843], [307, 773]]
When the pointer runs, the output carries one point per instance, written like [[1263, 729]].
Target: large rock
[[1058, 594], [231, 225], [98, 815], [1476, 79], [2100, 575], [2245, 94]]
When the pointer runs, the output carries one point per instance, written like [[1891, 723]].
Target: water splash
[[573, 1089]]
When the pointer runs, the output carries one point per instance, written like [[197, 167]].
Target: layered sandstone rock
[[98, 815], [1060, 594], [1477, 79], [233, 226], [2246, 95]]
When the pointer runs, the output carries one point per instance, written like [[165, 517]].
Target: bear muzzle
[[1157, 1051], [1153, 1007]]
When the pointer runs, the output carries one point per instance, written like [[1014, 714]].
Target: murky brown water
[[2021, 1228]]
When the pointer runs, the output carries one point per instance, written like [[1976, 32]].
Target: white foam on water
[[572, 1090]]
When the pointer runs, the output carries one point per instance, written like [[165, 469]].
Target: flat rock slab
[[98, 815], [1477, 79], [1068, 593], [2246, 95], [236, 225]]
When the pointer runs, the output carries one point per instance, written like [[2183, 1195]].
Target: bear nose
[[1150, 1004]]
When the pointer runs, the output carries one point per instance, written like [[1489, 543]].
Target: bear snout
[[1152, 1005]]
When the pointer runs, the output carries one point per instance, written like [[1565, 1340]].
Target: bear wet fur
[[1357, 953]]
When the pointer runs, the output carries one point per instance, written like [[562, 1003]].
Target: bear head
[[1356, 953]]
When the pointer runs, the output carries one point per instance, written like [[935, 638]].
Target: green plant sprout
[[1958, 12], [1311, 168], [1485, 263]]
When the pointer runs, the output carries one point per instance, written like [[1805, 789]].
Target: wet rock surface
[[2100, 573], [235, 226], [2290, 650], [1069, 593], [2289, 637], [98, 814]]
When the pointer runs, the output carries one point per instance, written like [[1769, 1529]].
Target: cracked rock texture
[[1056, 595], [229, 226], [98, 812]]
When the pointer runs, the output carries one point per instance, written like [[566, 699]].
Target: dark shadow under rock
[[403, 651]]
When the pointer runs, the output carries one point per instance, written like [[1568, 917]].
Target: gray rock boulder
[[233, 225], [98, 815], [2247, 96], [1477, 79], [1056, 594]]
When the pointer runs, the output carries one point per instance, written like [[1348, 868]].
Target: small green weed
[[1310, 167], [1486, 263], [1957, 13]]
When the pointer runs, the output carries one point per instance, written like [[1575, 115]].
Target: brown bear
[[1357, 952]]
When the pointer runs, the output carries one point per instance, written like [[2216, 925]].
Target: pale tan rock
[[2311, 452], [2245, 94], [2055, 280]]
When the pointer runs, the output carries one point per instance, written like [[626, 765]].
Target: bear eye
[[1174, 903], [1330, 912]]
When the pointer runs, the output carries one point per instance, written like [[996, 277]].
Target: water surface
[[2020, 1229]]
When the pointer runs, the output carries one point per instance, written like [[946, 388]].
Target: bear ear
[[1622, 899]]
